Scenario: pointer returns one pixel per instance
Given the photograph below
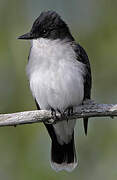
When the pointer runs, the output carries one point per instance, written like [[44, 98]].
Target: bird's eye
[[44, 31]]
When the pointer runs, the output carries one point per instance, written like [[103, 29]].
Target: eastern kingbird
[[59, 74]]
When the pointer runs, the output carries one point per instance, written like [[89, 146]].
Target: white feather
[[64, 131], [64, 166], [56, 79]]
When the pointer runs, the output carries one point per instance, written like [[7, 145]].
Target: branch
[[89, 110]]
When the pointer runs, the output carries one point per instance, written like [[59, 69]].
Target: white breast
[[55, 76]]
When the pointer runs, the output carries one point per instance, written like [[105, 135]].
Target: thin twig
[[89, 109]]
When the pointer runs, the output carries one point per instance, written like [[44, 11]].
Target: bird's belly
[[57, 89]]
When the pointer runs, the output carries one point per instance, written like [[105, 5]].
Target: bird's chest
[[56, 79]]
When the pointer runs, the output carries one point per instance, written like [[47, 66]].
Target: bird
[[59, 75]]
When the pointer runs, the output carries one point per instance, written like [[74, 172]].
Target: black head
[[48, 25]]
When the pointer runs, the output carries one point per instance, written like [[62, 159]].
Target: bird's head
[[48, 25]]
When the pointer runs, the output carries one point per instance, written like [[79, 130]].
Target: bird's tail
[[63, 157]]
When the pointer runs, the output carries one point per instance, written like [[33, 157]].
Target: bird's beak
[[26, 36]]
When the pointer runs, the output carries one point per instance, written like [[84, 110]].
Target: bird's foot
[[69, 111], [53, 113], [54, 117], [64, 115]]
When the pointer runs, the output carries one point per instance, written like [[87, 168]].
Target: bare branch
[[89, 109]]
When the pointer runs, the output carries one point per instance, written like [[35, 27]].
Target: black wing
[[82, 57]]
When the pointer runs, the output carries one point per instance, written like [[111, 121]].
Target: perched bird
[[59, 74]]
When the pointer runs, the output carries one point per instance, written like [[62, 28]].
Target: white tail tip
[[64, 166]]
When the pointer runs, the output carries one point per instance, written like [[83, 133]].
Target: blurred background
[[25, 150]]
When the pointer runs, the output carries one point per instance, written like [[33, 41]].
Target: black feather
[[82, 57], [50, 25], [63, 153], [60, 153]]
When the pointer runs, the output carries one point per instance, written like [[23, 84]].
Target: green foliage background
[[25, 150]]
